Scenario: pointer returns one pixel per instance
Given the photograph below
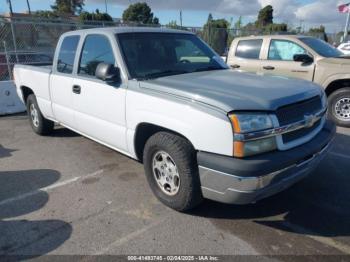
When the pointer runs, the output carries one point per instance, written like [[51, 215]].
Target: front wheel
[[171, 170], [339, 107], [39, 124]]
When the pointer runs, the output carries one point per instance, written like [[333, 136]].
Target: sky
[[308, 13]]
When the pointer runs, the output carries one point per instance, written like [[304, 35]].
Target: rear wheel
[[171, 170], [339, 107], [39, 124]]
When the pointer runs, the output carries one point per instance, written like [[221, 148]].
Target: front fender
[[206, 131], [335, 77]]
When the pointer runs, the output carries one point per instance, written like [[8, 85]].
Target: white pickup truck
[[165, 98]]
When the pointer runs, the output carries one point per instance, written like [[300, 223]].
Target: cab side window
[[96, 49], [284, 50], [249, 49], [66, 55]]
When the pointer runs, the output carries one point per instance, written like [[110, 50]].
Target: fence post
[[7, 60], [14, 38]]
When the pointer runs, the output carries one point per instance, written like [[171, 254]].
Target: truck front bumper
[[243, 181]]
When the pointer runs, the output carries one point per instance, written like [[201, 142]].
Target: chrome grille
[[291, 136], [295, 112]]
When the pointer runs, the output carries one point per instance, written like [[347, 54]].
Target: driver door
[[99, 106]]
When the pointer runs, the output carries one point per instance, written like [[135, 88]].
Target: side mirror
[[107, 72], [304, 58]]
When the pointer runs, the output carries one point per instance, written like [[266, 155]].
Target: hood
[[229, 90], [335, 62]]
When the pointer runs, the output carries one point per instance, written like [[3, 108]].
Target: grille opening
[[295, 112], [291, 136]]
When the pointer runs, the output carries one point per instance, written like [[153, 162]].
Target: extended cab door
[[61, 81], [246, 55], [99, 106], [279, 60]]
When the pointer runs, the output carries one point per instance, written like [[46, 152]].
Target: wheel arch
[[26, 91], [336, 85], [144, 131]]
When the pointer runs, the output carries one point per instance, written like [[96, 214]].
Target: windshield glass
[[321, 47], [152, 55]]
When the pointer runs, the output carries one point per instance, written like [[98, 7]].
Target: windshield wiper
[[209, 68], [165, 73]]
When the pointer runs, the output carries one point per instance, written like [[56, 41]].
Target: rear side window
[[249, 49], [66, 55], [96, 49]]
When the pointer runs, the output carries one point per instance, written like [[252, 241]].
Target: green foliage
[[215, 33], [276, 28], [173, 25], [45, 14], [320, 29], [265, 17], [94, 16], [68, 6], [264, 24], [140, 13], [238, 23], [319, 32]]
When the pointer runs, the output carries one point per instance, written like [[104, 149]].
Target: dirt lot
[[66, 194]]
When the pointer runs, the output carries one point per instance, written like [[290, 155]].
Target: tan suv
[[301, 57]]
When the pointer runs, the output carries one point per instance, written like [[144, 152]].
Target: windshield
[[152, 55], [321, 47]]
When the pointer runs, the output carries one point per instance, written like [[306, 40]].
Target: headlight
[[252, 122]]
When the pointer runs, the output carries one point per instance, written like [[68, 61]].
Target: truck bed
[[35, 77]]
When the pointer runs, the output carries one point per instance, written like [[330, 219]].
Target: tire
[[182, 155], [39, 124], [339, 107]]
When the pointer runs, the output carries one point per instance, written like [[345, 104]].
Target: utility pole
[[106, 7], [10, 7], [29, 11], [181, 18], [301, 26]]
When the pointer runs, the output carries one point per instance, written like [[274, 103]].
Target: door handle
[[235, 66], [76, 89], [269, 68]]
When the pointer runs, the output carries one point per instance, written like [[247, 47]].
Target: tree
[[276, 28], [173, 25], [45, 14], [319, 32], [210, 18], [265, 17], [94, 16], [140, 13], [215, 34], [68, 6], [238, 23]]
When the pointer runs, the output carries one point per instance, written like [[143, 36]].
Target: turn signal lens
[[238, 149], [250, 148], [235, 123]]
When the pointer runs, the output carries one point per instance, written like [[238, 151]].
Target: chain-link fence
[[33, 40]]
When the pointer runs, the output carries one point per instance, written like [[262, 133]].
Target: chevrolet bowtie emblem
[[310, 120]]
